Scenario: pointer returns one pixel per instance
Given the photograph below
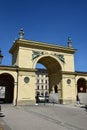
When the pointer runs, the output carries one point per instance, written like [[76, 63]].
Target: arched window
[[37, 93], [46, 93], [42, 93], [81, 85]]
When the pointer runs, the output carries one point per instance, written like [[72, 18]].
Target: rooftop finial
[[21, 34], [1, 56], [69, 42]]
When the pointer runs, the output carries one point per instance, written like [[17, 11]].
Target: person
[[37, 99], [0, 108], [77, 99]]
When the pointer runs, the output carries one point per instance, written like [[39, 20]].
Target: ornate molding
[[61, 57], [36, 54]]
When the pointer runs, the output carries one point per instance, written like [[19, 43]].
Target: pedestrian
[[77, 99], [37, 99], [0, 108]]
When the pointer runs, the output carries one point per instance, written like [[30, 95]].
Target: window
[[37, 80], [37, 86], [42, 93], [38, 75], [46, 87], [46, 81], [37, 93], [42, 80], [46, 93], [42, 86]]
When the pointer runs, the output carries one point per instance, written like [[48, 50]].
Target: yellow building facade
[[19, 79]]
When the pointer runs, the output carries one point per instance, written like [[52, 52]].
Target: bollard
[[0, 108], [1, 114]]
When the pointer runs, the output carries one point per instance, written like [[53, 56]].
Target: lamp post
[[1, 56]]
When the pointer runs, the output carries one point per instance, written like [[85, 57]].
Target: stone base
[[68, 102], [60, 101], [83, 98], [26, 102]]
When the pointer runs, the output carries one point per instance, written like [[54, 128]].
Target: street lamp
[[1, 57]]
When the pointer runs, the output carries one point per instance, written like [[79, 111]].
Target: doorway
[[7, 88]]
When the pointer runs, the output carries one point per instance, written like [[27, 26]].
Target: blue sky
[[50, 21]]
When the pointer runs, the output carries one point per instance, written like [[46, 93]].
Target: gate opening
[[6, 88], [53, 69]]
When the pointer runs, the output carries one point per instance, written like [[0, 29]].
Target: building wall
[[69, 63], [26, 90], [69, 88], [42, 82]]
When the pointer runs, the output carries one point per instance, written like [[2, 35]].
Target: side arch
[[7, 88], [81, 85]]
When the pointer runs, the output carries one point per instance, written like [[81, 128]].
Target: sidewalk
[[44, 116], [1, 127]]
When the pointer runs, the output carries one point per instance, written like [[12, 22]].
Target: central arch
[[54, 73]]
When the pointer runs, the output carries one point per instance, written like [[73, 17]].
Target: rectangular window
[[37, 86], [37, 80], [46, 87], [42, 80], [42, 86], [38, 75], [46, 81]]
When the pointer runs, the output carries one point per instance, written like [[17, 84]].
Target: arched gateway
[[59, 62]]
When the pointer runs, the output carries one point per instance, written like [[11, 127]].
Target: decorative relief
[[68, 81], [61, 57], [36, 54], [26, 79]]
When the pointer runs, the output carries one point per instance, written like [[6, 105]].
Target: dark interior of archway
[[50, 63], [7, 81], [81, 85], [55, 89]]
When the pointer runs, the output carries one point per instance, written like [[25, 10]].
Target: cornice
[[68, 72], [79, 73], [10, 68], [76, 73], [41, 45], [13, 68]]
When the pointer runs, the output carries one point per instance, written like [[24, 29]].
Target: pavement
[[43, 116]]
